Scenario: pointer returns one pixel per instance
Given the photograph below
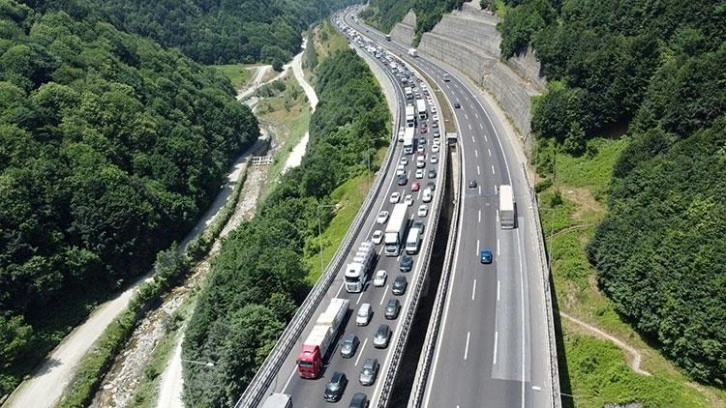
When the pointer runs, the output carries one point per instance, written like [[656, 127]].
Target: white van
[[420, 162], [413, 241], [363, 317], [278, 400], [427, 196]]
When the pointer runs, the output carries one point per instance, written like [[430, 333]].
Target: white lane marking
[[476, 153], [342, 285], [479, 190], [360, 353], [537, 388], [383, 297], [496, 340], [477, 246], [521, 294], [478, 170], [466, 349], [359, 297], [476, 115], [479, 215], [287, 383], [470, 126], [498, 291], [467, 118], [473, 291], [493, 172], [473, 140], [485, 138], [490, 152], [481, 126]]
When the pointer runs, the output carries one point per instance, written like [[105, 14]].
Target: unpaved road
[[297, 153]]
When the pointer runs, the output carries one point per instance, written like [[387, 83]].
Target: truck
[[421, 109], [408, 92], [413, 241], [356, 273], [395, 230], [507, 207], [410, 116], [388, 37], [278, 400], [321, 340], [412, 52], [408, 135]]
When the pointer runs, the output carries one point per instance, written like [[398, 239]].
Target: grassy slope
[[598, 370], [239, 74]]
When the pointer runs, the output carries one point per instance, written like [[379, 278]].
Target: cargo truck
[[408, 135], [421, 109], [388, 37], [356, 273], [278, 400], [321, 340], [507, 207], [409, 92], [410, 116], [412, 52], [395, 230], [413, 241]]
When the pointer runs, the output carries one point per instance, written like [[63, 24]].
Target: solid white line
[[521, 294], [342, 285], [498, 287], [493, 172], [476, 153], [490, 152], [360, 353], [473, 291], [496, 340], [479, 215], [478, 170], [466, 350]]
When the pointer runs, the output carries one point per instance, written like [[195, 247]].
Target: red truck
[[320, 341]]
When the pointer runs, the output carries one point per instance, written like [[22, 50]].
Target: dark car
[[401, 180], [422, 141], [472, 183], [359, 400], [392, 308], [486, 256], [336, 386], [381, 338], [420, 225], [349, 345], [432, 173], [457, 105], [399, 285], [406, 263], [369, 371], [431, 185]]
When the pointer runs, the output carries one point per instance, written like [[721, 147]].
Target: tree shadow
[[564, 372]]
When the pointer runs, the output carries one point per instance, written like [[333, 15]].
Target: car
[[400, 172], [433, 109], [431, 185], [424, 130], [420, 149], [395, 197], [408, 200], [334, 390], [392, 308], [416, 186], [435, 148], [377, 237], [359, 400], [423, 210], [363, 317], [472, 183], [369, 371], [349, 345], [422, 141], [399, 285], [380, 278], [383, 217], [435, 118], [432, 173], [434, 158], [423, 125], [406, 263], [401, 179], [427, 196], [404, 161], [435, 125], [437, 141], [382, 336], [420, 173], [437, 134], [420, 225], [486, 256], [457, 105]]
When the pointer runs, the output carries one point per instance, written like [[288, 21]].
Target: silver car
[[369, 371], [382, 336]]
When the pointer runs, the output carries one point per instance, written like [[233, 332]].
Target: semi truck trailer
[[395, 230], [320, 341], [356, 273], [507, 207]]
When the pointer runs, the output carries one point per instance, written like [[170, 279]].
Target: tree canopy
[[210, 31], [384, 14], [110, 148]]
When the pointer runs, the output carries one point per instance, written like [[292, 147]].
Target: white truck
[[421, 109], [319, 342], [410, 116], [408, 92], [413, 241], [408, 135], [507, 207], [393, 238], [278, 400], [356, 273], [412, 52]]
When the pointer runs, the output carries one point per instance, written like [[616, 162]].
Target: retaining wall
[[404, 31]]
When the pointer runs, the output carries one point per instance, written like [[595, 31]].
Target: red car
[[424, 130], [415, 187]]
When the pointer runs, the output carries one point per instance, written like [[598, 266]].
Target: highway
[[308, 392], [492, 349]]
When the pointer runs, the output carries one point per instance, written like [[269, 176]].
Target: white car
[[434, 158], [419, 173], [435, 148], [428, 195], [395, 197], [423, 210], [404, 161], [380, 278], [436, 118], [437, 141], [433, 109], [408, 200], [377, 237], [400, 172], [383, 217]]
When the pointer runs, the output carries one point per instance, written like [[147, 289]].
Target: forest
[[384, 14], [259, 279], [111, 147], [651, 72], [209, 31]]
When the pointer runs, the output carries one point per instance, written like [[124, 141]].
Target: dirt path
[[297, 153], [634, 356]]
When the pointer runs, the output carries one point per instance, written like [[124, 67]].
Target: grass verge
[[238, 74], [570, 209]]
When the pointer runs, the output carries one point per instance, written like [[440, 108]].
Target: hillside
[[110, 148], [652, 72], [210, 31], [383, 14]]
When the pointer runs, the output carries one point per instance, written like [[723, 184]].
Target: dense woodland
[[111, 147], [210, 31], [384, 14], [654, 71], [258, 279]]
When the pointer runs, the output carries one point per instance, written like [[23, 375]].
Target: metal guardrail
[[549, 313], [256, 390]]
